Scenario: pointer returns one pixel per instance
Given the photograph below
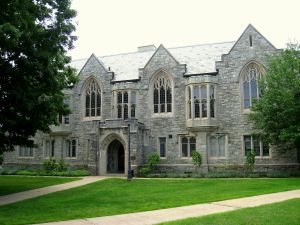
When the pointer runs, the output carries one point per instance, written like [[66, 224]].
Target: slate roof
[[198, 58]]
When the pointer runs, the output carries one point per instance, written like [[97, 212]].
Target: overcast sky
[[108, 27]]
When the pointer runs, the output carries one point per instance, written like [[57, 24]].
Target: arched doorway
[[115, 157]]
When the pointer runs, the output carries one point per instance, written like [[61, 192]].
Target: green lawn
[[13, 184], [116, 196], [283, 213]]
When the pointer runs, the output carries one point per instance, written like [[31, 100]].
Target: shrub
[[68, 173], [250, 160], [62, 166], [49, 165], [77, 173], [27, 172], [197, 159], [153, 159], [145, 170]]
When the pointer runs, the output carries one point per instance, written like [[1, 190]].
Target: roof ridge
[[185, 46], [215, 43]]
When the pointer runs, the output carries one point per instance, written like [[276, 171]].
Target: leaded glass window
[[188, 145], [212, 101], [217, 146], [184, 147], [133, 104], [49, 148], [259, 146], [189, 103], [250, 78], [162, 147], [162, 94], [71, 146], [25, 151], [126, 104], [201, 101], [92, 99]]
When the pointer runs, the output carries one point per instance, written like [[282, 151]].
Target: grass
[[13, 184], [287, 213], [117, 196]]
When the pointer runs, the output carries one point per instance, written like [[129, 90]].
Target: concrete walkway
[[7, 199], [163, 215]]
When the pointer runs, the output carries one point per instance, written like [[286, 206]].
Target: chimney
[[146, 48]]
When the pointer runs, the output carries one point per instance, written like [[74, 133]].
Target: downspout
[[97, 148], [207, 161]]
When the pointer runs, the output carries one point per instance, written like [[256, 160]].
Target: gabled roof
[[198, 58], [249, 27]]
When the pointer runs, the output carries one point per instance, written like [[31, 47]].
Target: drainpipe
[[207, 161], [129, 175]]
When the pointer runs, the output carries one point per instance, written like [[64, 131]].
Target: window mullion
[[90, 105], [188, 148], [129, 104], [192, 103], [208, 101], [260, 148], [200, 101], [250, 93], [159, 100]]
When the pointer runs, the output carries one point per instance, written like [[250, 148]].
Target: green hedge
[[67, 173], [225, 175]]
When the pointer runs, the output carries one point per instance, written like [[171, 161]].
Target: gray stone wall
[[94, 135]]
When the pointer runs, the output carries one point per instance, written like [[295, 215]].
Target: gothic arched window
[[92, 99], [250, 78], [162, 94]]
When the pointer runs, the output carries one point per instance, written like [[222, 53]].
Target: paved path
[[7, 199], [163, 215]]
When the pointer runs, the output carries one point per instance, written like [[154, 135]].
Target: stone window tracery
[[162, 94], [250, 88], [92, 99], [201, 101], [126, 104]]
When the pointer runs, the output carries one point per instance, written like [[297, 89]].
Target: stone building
[[175, 100]]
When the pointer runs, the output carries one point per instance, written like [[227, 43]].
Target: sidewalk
[[7, 199], [163, 215]]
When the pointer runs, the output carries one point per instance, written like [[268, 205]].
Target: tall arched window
[[162, 94], [92, 99], [250, 77]]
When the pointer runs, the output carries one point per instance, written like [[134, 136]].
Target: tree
[[277, 114], [35, 36]]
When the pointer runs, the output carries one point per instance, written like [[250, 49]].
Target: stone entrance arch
[[115, 157]]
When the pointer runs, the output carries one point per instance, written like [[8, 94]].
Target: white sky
[[108, 27]]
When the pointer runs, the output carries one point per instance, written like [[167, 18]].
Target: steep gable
[[160, 58], [252, 39], [91, 64]]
